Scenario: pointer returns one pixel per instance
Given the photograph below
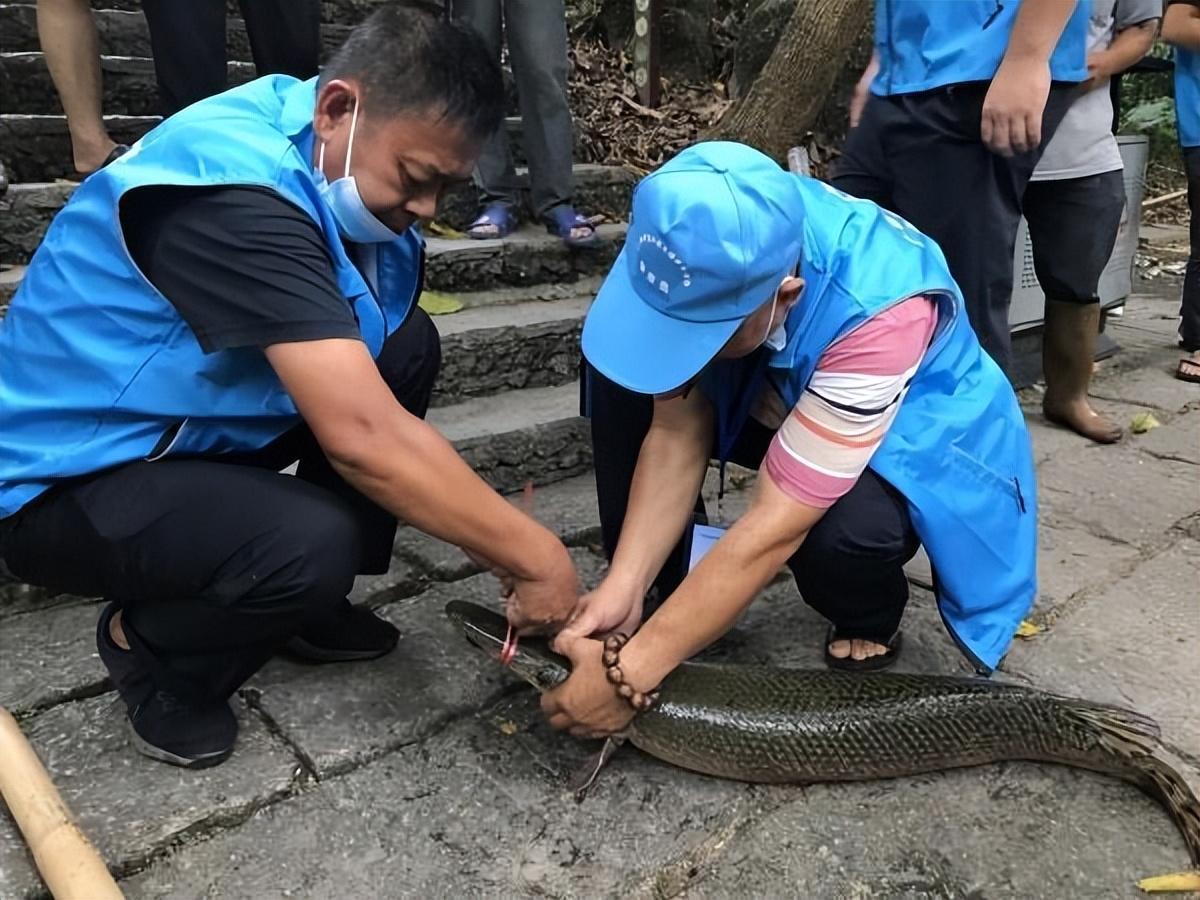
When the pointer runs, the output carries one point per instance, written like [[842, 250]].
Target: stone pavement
[[430, 773]]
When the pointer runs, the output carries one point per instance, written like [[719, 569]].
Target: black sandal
[[871, 663]]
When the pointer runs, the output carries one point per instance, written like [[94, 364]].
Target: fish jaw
[[533, 661]]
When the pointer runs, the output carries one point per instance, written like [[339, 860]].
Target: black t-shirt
[[243, 266]]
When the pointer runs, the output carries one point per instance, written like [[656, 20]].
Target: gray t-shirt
[[1084, 143]]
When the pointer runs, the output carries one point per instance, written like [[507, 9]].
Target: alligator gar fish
[[769, 724]]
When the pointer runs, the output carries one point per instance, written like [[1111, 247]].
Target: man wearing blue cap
[[767, 318]]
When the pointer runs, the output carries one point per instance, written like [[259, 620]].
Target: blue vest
[[958, 449], [926, 44], [97, 368], [1187, 96]]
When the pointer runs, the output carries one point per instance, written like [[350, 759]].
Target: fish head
[[486, 630]]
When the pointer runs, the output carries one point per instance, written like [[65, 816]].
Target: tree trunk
[[793, 87]]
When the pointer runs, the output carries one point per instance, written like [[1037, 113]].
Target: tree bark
[[793, 87]]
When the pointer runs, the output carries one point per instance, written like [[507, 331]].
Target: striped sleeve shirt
[[825, 442]]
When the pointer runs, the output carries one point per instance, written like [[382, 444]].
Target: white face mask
[[355, 222], [776, 338]]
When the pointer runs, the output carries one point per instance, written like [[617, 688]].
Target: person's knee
[[316, 557]]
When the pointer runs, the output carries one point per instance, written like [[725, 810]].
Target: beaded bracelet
[[616, 677]]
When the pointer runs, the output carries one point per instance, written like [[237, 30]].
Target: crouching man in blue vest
[[235, 294], [769, 319]]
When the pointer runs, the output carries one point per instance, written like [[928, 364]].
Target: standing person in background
[[537, 46], [67, 34], [1181, 27], [188, 40], [964, 94], [1073, 205]]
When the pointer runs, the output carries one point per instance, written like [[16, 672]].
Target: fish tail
[[1134, 738]]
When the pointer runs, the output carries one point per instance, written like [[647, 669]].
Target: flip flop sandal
[[498, 215], [562, 220], [871, 663], [1182, 373]]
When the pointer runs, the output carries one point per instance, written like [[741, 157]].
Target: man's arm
[[405, 466], [1127, 48], [669, 473], [1016, 100], [1181, 25]]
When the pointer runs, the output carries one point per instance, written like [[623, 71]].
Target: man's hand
[[586, 704], [545, 603], [612, 606], [1013, 107], [1101, 66], [862, 90]]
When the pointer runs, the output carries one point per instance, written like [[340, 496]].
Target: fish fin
[[1136, 738], [1122, 731], [1167, 784], [582, 781]]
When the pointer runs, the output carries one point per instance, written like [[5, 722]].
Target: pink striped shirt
[[826, 441]]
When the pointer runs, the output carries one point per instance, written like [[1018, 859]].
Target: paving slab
[[1134, 644], [1019, 831], [1178, 439], [532, 434], [1152, 384], [474, 811], [48, 656], [130, 806], [1116, 493], [1050, 440], [342, 716]]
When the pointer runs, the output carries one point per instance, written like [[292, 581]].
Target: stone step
[[534, 434], [26, 211], [130, 88], [490, 349], [38, 147], [124, 32]]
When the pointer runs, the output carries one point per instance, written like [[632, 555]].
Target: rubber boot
[[1068, 349]]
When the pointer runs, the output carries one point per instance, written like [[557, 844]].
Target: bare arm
[[1016, 100], [1181, 26], [862, 90], [408, 468], [1129, 46]]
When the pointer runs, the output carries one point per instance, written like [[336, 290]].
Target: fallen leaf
[[438, 304], [508, 728], [1143, 422], [1177, 881], [1029, 629], [444, 231]]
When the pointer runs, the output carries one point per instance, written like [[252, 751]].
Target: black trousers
[[921, 156], [849, 568], [1189, 327], [188, 41], [216, 562]]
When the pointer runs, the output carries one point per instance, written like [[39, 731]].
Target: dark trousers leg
[[188, 41], [495, 176], [850, 566], [285, 36], [1189, 327], [216, 563], [537, 44], [905, 152]]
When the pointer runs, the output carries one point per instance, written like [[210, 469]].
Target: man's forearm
[[1038, 27], [416, 474], [723, 584], [1181, 26], [669, 474], [1130, 45]]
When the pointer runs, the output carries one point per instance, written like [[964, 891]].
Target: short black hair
[[410, 56]]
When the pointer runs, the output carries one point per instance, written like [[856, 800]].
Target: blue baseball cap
[[713, 234]]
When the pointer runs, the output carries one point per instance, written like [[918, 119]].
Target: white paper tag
[[703, 537]]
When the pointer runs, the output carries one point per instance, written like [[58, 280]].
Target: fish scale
[[778, 725]]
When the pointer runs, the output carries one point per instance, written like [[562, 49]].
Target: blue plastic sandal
[[562, 220], [498, 215]]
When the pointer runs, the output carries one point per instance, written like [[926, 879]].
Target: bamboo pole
[[66, 859]]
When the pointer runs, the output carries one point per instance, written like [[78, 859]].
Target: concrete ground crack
[[253, 700], [87, 691]]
